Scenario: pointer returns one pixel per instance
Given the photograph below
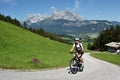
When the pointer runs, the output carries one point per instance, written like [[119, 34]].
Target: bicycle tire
[[82, 67], [73, 66]]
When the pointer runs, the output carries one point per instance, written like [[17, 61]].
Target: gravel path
[[94, 70]]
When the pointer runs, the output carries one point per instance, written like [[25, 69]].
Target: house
[[113, 46]]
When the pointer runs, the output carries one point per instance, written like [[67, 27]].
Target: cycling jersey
[[78, 47]]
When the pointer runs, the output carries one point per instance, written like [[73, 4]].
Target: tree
[[106, 36], [25, 25], [16, 22], [117, 33], [2, 17], [8, 19]]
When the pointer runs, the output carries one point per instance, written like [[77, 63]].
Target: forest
[[109, 35]]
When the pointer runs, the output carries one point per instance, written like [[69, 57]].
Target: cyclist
[[79, 49]]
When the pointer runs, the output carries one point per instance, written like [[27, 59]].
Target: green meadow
[[19, 46], [107, 56]]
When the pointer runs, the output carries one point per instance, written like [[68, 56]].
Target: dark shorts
[[80, 52]]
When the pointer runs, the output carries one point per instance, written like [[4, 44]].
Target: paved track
[[94, 70]]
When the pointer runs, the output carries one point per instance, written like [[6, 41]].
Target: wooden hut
[[113, 46]]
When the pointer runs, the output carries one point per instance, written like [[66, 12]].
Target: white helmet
[[77, 39]]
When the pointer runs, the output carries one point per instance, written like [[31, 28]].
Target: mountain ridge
[[66, 22]]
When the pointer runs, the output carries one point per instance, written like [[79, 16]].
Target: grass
[[107, 56], [19, 46], [85, 47]]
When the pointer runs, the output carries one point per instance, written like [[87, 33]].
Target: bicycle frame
[[74, 67], [75, 56]]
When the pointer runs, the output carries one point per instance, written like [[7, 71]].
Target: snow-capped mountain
[[34, 18], [66, 15], [66, 22]]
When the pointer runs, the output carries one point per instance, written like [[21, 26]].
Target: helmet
[[77, 39]]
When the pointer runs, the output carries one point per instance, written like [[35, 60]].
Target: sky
[[88, 9]]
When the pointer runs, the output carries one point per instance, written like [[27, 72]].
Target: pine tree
[[106, 36], [8, 19], [24, 24]]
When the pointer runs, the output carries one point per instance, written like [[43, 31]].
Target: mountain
[[116, 22], [66, 15], [66, 22], [34, 18]]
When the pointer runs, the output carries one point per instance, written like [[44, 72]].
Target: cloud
[[53, 10], [77, 4]]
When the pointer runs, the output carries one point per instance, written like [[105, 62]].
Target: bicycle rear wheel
[[81, 67], [73, 66]]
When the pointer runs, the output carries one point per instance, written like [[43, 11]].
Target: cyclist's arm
[[72, 48], [82, 46]]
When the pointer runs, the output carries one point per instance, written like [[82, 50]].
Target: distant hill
[[19, 46], [61, 26], [116, 22], [66, 22]]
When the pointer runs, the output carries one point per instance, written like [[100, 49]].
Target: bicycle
[[75, 64]]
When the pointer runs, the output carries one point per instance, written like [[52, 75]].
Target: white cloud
[[53, 10], [77, 4]]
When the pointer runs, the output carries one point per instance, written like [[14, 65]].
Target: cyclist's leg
[[80, 57], [82, 61]]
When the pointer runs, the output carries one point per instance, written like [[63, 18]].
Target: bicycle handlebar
[[72, 52]]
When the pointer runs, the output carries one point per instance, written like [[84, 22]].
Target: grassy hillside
[[107, 56], [18, 47]]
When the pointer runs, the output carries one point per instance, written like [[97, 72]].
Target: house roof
[[113, 44]]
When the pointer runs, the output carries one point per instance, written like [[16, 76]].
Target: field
[[107, 56], [18, 47]]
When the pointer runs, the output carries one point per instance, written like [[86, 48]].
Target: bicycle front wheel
[[73, 66]]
